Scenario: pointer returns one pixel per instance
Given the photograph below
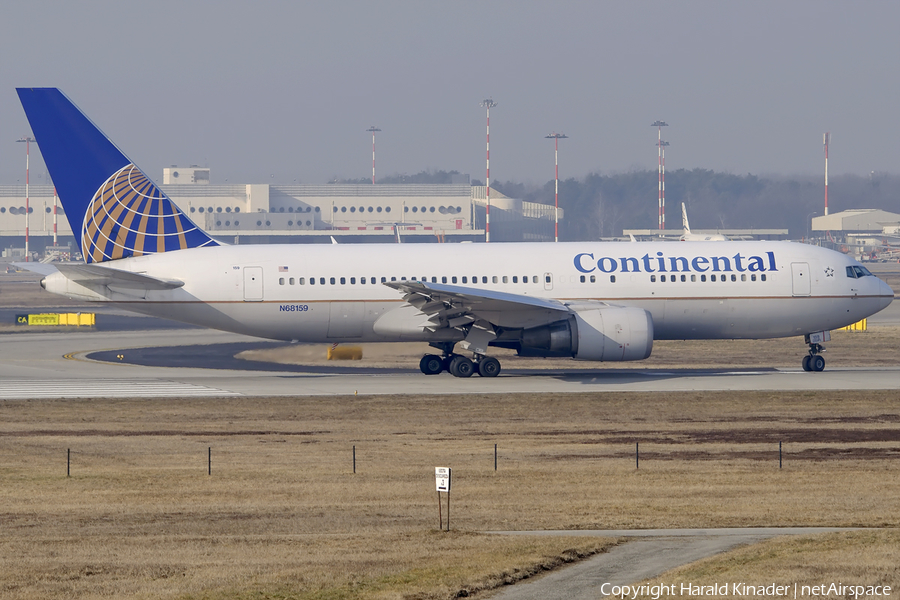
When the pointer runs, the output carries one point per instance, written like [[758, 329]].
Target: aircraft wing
[[421, 294], [98, 275], [454, 306]]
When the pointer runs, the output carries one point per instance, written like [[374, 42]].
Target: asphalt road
[[646, 554]]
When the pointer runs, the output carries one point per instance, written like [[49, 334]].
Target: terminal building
[[263, 213]]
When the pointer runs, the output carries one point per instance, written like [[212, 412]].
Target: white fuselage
[[317, 293]]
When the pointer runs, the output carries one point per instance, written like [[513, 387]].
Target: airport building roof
[[854, 220]]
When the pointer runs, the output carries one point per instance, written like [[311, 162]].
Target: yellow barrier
[[858, 326], [51, 319], [344, 353], [78, 319]]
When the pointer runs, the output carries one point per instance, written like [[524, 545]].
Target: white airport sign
[[442, 478]]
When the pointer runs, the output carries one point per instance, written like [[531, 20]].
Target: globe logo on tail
[[130, 216]]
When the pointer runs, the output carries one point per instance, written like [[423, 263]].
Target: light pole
[[556, 137], [809, 224], [488, 104], [27, 141], [662, 186], [373, 129]]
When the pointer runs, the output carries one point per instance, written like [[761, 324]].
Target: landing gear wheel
[[817, 363], [489, 367], [806, 361], [460, 366], [431, 364]]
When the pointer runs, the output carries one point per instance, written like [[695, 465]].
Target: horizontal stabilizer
[[36, 267], [97, 275]]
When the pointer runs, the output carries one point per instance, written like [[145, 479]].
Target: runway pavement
[[34, 365]]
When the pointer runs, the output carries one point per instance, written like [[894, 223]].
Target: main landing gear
[[814, 361], [458, 365]]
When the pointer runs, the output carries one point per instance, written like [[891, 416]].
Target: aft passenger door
[[253, 284], [800, 276]]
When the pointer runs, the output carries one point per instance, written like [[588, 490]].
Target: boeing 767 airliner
[[593, 301]]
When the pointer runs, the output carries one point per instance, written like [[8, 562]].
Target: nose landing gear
[[814, 361]]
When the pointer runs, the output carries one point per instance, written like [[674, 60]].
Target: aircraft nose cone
[[887, 292]]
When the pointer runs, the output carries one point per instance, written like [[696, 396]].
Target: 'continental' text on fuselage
[[586, 263]]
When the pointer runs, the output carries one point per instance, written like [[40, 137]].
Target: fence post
[[68, 462], [209, 461]]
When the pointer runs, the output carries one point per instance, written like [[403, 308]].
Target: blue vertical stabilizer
[[113, 208]]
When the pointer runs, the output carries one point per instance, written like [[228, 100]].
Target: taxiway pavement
[[646, 554], [41, 365]]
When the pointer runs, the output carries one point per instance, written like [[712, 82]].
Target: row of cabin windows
[[723, 278], [683, 277], [504, 279], [373, 280]]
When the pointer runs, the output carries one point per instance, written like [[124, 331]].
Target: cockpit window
[[857, 271]]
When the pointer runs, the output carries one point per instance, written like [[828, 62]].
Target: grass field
[[283, 514]]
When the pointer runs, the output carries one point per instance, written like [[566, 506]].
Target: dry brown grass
[[283, 515]]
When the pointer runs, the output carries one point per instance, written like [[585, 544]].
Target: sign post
[[442, 484]]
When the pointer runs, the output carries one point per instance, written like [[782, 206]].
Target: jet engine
[[605, 333]]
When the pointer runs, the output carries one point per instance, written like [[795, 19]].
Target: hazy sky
[[284, 91]]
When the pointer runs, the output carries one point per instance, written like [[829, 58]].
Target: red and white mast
[[488, 104], [27, 141], [662, 188], [556, 137], [826, 139], [55, 203], [373, 129]]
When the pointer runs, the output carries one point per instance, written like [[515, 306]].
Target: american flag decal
[[282, 269]]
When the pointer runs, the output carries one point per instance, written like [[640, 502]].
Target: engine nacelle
[[604, 333]]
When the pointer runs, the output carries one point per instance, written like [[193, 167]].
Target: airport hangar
[[304, 213], [869, 234]]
